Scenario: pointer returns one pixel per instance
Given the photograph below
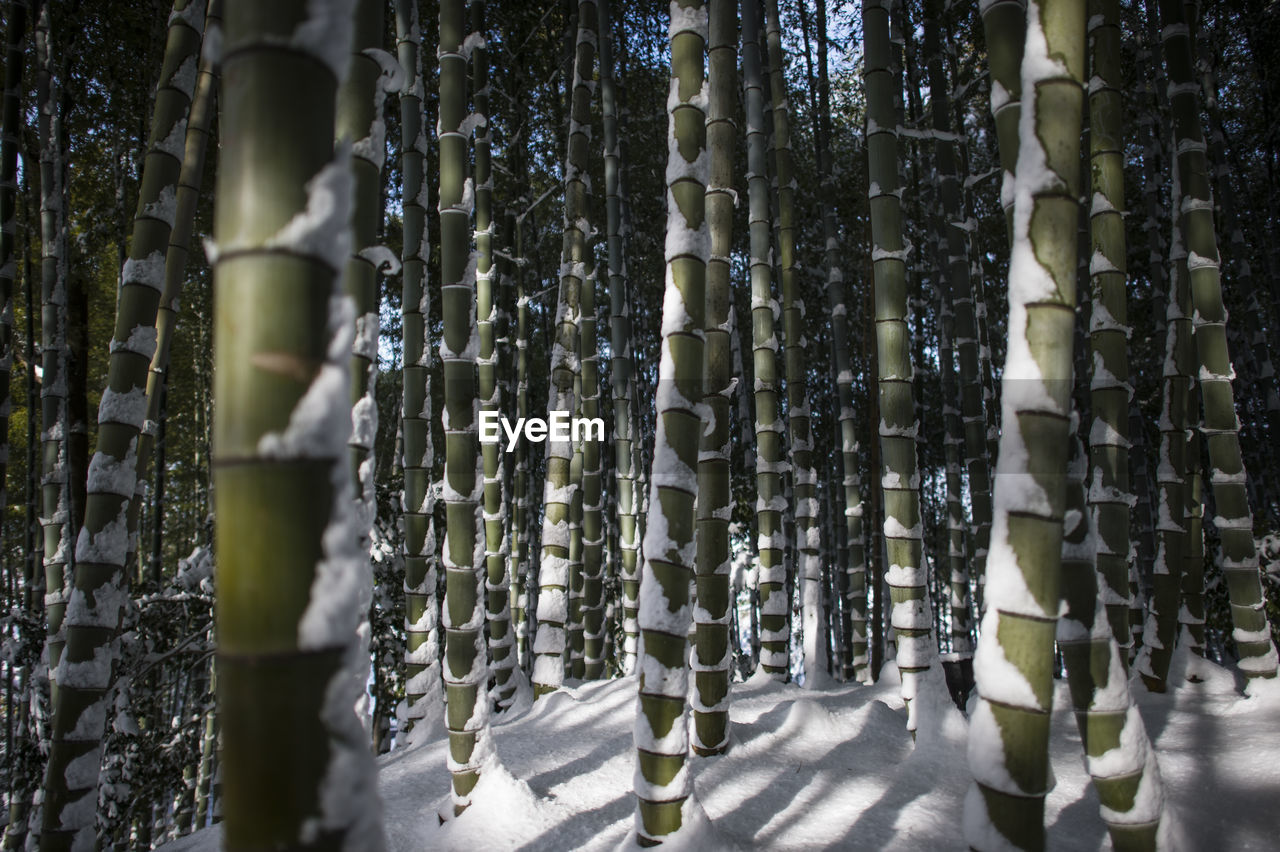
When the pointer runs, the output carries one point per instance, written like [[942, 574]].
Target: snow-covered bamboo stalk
[[1186, 415], [1179, 526], [203, 106], [520, 475], [1162, 535], [850, 538], [800, 445], [291, 666], [1259, 345], [1109, 495], [574, 662], [99, 593], [712, 654], [1004, 30], [592, 570], [770, 463], [961, 627], [466, 669], [1193, 203], [55, 486], [359, 123], [10, 131], [1118, 753], [959, 286], [746, 452], [577, 267], [497, 580], [662, 780], [423, 692], [898, 426], [1014, 663], [208, 755], [1191, 589], [620, 349]]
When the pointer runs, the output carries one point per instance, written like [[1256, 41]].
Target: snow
[[382, 258], [176, 142], [163, 208], [320, 230], [192, 15], [141, 341], [824, 769], [148, 271], [315, 34]]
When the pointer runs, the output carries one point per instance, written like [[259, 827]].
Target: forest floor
[[825, 768]]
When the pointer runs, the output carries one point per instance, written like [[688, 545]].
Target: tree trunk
[[712, 655], [805, 504], [764, 314], [620, 348], [99, 595], [577, 270], [1118, 753], [1014, 663], [1192, 198], [200, 119], [466, 673], [290, 666], [424, 698], [661, 737], [898, 426]]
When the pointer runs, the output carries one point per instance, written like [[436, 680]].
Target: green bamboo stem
[[574, 664], [961, 628], [466, 671], [1179, 546], [208, 753], [1168, 546], [898, 426], [577, 268], [592, 492], [520, 477], [359, 123], [592, 608], [99, 592], [712, 654], [497, 584], [1109, 495], [620, 348], [55, 486], [424, 699], [1118, 752], [849, 535], [800, 445], [1014, 663], [960, 286], [203, 103], [662, 781], [1259, 345], [296, 761], [10, 132], [1193, 201], [764, 315], [1004, 30]]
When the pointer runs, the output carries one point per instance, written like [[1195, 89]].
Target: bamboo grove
[[939, 333]]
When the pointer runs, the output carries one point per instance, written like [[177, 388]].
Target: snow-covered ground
[[828, 768]]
